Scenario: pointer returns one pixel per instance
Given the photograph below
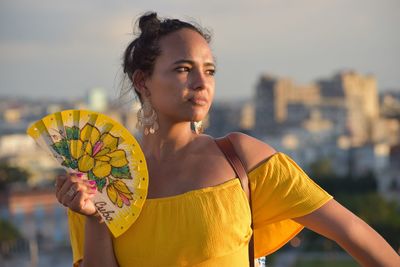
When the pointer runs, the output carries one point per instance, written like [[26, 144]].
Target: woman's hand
[[75, 191]]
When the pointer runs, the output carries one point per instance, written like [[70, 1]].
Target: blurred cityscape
[[338, 129], [343, 118]]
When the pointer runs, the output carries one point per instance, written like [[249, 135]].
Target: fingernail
[[91, 182], [93, 188], [79, 174]]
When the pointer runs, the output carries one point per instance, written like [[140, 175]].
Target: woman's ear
[[139, 82]]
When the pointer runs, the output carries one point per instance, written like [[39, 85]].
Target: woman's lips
[[198, 101]]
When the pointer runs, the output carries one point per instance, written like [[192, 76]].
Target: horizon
[[82, 96]]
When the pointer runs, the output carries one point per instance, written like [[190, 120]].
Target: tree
[[9, 235], [322, 168], [10, 174], [8, 232]]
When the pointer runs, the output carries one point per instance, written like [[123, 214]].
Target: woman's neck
[[167, 141]]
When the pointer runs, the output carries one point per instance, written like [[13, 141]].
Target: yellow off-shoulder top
[[211, 226]]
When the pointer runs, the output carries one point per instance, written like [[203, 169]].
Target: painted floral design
[[89, 151], [119, 193], [97, 153]]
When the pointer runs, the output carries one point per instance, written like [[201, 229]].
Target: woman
[[196, 214]]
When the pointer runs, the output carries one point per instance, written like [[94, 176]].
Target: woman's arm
[[336, 222], [98, 248], [332, 220]]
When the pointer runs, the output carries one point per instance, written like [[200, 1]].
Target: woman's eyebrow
[[191, 62]]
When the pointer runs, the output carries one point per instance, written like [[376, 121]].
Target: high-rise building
[[97, 99], [247, 119], [270, 102], [224, 117], [348, 102], [359, 95], [280, 102]]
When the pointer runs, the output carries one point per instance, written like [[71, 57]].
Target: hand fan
[[94, 144]]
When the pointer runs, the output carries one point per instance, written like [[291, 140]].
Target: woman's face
[[182, 84]]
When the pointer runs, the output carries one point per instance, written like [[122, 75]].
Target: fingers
[[61, 182], [74, 191], [68, 192], [64, 186], [81, 200], [60, 179]]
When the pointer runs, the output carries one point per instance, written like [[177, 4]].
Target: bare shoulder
[[250, 150]]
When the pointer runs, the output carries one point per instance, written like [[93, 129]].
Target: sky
[[60, 49]]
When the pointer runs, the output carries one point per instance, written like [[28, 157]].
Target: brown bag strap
[[225, 145]]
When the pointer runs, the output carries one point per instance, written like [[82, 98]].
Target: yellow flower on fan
[[97, 152], [119, 193]]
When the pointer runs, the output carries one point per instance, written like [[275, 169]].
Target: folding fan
[[94, 144]]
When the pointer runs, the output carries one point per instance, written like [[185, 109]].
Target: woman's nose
[[199, 80]]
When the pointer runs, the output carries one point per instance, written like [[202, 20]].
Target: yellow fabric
[[76, 224], [211, 226], [281, 190]]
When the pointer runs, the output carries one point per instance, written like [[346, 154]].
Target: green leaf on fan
[[101, 183], [74, 164], [91, 176], [72, 132], [121, 172], [70, 163], [65, 163], [62, 148]]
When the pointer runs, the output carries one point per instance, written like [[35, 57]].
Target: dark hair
[[142, 52]]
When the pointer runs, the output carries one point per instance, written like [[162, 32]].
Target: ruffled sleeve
[[76, 224], [281, 191]]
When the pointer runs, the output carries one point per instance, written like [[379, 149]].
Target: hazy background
[[349, 143], [60, 49]]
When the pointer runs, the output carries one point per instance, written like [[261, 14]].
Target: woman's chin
[[198, 116]]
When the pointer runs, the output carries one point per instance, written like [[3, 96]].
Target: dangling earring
[[198, 127], [147, 118]]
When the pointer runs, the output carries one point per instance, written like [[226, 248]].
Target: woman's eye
[[211, 72], [182, 69]]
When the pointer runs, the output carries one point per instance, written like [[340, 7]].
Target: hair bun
[[149, 24]]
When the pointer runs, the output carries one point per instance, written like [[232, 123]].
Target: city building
[[341, 118], [97, 99], [359, 94], [37, 214]]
